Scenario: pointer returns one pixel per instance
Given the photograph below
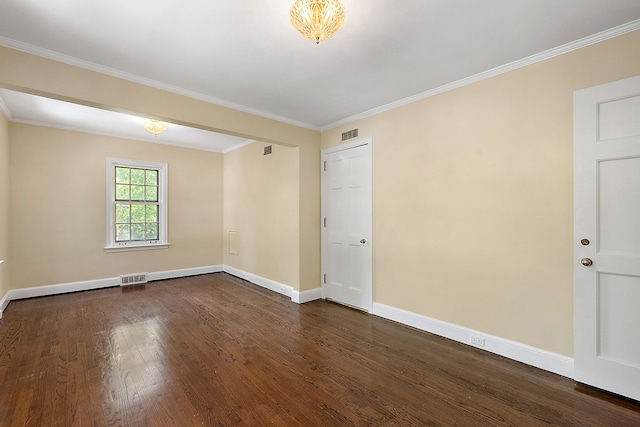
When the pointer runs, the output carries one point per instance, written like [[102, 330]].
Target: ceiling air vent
[[350, 134]]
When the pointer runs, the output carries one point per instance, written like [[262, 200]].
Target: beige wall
[[261, 199], [473, 197], [472, 189], [309, 206], [32, 74], [4, 205], [36, 75], [58, 213]]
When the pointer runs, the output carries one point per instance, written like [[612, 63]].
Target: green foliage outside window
[[137, 207]]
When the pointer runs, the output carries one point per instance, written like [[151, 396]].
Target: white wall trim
[[552, 362], [62, 288], [4, 302], [184, 272], [539, 57], [5, 110], [238, 145], [543, 359], [87, 285], [260, 281], [162, 193], [560, 50], [128, 137], [297, 297], [70, 60], [306, 296], [40, 291]]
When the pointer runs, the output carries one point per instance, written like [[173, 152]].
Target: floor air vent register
[[133, 279]]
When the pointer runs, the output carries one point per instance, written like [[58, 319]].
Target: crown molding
[[121, 136], [238, 145], [5, 110], [70, 60], [539, 57], [542, 56]]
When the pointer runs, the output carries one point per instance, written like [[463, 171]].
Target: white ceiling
[[245, 54], [31, 109]]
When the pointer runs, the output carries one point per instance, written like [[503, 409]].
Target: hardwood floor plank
[[214, 350]]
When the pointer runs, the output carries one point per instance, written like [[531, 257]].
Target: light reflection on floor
[[137, 362]]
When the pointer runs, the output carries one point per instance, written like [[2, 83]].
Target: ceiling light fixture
[[156, 127], [317, 19]]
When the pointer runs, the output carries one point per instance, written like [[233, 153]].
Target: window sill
[[142, 247]]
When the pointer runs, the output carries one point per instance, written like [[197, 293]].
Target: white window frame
[[163, 172]]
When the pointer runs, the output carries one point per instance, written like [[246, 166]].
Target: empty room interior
[[425, 217]]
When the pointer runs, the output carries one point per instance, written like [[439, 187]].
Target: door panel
[[618, 205], [617, 299], [618, 118], [346, 201], [607, 236]]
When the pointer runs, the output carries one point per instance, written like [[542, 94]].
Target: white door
[[607, 237], [346, 211]]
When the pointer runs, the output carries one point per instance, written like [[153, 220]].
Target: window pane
[[152, 177], [137, 176], [137, 192], [123, 213], [137, 213], [152, 213], [137, 231], [122, 233], [122, 175], [135, 208], [122, 192], [152, 194], [152, 231]]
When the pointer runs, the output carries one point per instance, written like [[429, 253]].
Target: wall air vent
[[133, 279], [349, 134], [267, 149]]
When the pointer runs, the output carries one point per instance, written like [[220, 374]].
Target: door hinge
[[324, 222], [325, 166], [325, 279]]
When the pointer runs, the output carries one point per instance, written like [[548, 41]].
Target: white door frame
[[368, 142]]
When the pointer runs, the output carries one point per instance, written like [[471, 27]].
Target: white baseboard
[[552, 362], [539, 358], [62, 288], [529, 355], [40, 291], [4, 302], [260, 281], [184, 272], [297, 297], [306, 296]]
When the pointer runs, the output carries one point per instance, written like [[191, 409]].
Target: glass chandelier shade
[[156, 127], [317, 19]]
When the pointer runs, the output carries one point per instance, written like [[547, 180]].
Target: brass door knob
[[586, 262]]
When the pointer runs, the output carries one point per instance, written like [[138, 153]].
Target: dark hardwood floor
[[215, 350]]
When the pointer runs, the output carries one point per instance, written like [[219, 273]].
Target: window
[[136, 205]]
